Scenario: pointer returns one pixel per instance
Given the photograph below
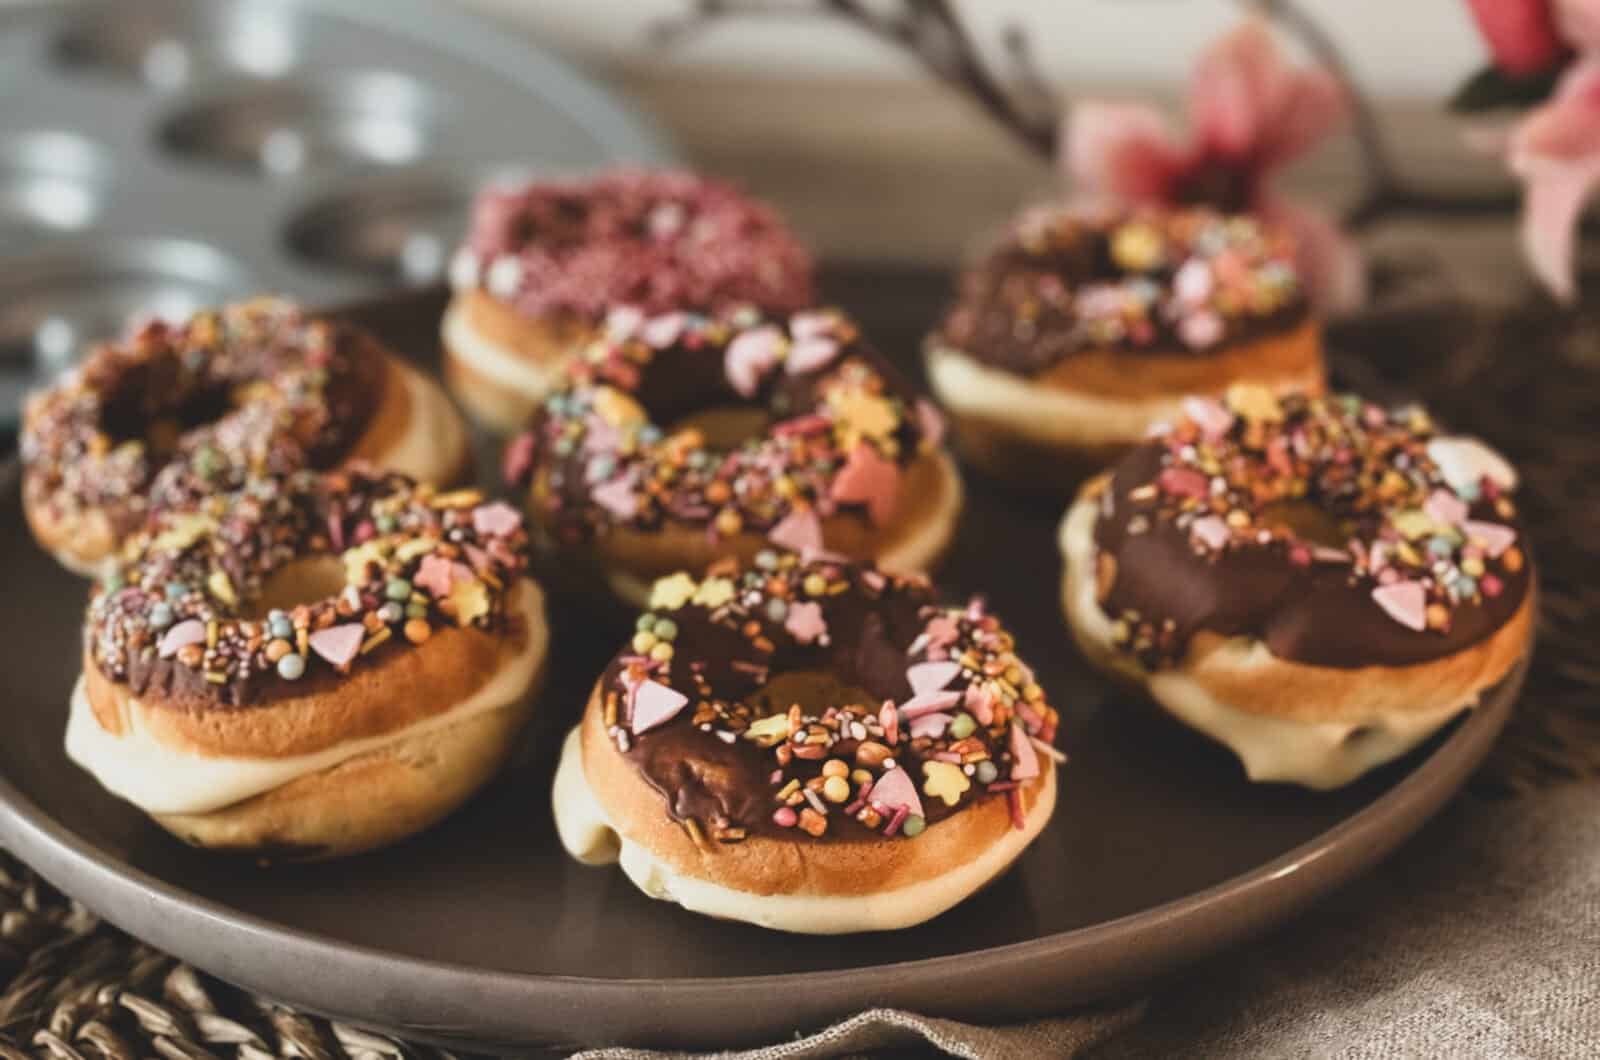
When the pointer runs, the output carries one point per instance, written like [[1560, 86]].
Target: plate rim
[[164, 914]]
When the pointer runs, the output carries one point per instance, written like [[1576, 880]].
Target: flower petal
[[1233, 88], [1246, 103], [1577, 23], [1551, 207], [1119, 150], [1311, 106]]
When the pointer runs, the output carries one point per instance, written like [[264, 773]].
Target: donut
[[1081, 329], [313, 665], [680, 438], [544, 262], [175, 410], [809, 745], [1317, 583]]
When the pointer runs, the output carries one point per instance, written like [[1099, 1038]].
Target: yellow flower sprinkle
[[672, 592]]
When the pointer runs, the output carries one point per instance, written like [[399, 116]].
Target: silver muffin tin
[[161, 155]]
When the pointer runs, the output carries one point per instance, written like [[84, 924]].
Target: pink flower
[[1578, 23], [1521, 34], [1555, 151], [1250, 114], [1528, 37]]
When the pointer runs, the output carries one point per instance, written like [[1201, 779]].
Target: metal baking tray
[[164, 155]]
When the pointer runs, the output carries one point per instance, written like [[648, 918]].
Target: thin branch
[[930, 31], [674, 29]]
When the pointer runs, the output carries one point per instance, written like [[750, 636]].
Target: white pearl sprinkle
[[505, 276]]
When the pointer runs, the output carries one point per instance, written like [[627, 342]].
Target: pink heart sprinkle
[[928, 702], [1495, 537], [805, 622], [750, 356], [1183, 482], [662, 331], [811, 324], [496, 519], [1445, 508], [518, 459], [1193, 282], [867, 478], [930, 422], [1201, 329], [338, 644], [1211, 532], [810, 355], [931, 676], [799, 531], [931, 725], [979, 703], [479, 559], [434, 575], [654, 704], [1404, 601], [1024, 759], [942, 630], [896, 790], [617, 497], [189, 631], [1208, 414]]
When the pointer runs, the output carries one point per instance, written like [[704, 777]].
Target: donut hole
[[303, 580], [725, 427], [814, 690], [1305, 521], [146, 412]]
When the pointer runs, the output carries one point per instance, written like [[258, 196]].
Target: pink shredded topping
[[655, 240]]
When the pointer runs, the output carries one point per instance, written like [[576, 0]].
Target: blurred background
[[850, 134], [163, 154]]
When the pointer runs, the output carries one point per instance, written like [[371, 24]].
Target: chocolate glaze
[[254, 531], [687, 377], [1322, 614], [324, 381], [1017, 309], [870, 627]]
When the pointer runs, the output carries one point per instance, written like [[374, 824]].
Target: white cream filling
[[1048, 414], [590, 837], [435, 442], [494, 362], [160, 780], [1319, 755]]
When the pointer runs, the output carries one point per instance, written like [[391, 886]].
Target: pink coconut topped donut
[[544, 262]]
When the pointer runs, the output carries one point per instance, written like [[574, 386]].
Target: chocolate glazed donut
[[681, 438], [175, 411], [543, 263], [1318, 583], [810, 746], [1080, 330], [312, 665]]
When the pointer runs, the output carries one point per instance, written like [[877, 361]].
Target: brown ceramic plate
[[483, 932]]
